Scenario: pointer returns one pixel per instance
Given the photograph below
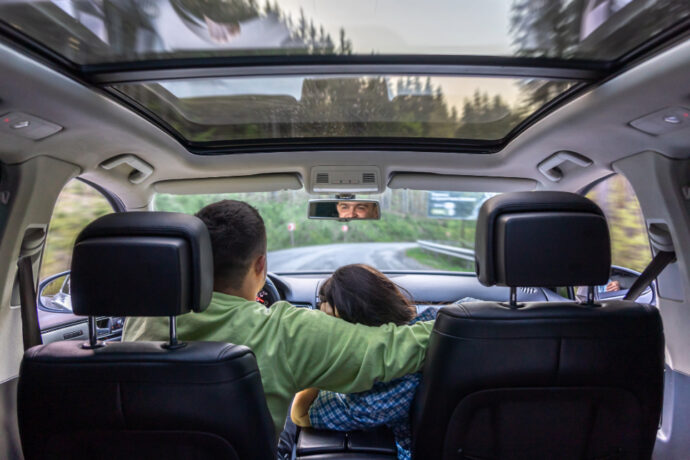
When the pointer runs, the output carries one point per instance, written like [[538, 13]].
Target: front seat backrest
[[556, 380], [126, 400]]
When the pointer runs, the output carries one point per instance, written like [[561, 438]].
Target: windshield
[[418, 230]]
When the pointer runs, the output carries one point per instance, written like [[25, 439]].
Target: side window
[[629, 241], [630, 248], [78, 205]]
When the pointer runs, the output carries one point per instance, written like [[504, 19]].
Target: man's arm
[[332, 354]]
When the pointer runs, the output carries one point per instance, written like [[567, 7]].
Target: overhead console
[[352, 179]]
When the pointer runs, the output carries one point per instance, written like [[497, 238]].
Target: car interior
[[484, 137]]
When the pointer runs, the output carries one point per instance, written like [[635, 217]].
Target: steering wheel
[[269, 294]]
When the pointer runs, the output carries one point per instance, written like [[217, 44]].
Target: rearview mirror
[[344, 210]]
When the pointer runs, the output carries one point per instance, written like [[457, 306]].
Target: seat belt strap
[[656, 266], [31, 331]]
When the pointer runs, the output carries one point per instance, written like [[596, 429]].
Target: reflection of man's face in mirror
[[221, 32], [215, 21], [356, 210]]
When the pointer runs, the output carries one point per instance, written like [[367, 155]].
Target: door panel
[[108, 329], [673, 439]]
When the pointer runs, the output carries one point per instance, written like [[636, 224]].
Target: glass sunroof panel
[[242, 108], [101, 31]]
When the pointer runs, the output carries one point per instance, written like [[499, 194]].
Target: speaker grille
[[368, 178]]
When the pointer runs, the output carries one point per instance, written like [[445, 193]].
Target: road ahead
[[384, 256]]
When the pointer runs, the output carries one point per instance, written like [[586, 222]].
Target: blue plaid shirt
[[387, 403]]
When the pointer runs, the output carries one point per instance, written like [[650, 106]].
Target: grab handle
[[142, 170], [550, 167]]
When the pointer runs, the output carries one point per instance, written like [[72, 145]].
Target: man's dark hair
[[238, 236]]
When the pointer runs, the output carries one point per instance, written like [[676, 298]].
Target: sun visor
[[238, 184], [419, 181]]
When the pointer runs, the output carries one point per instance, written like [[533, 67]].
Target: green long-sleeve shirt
[[298, 348]]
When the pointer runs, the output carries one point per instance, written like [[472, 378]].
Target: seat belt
[[31, 331], [656, 266]]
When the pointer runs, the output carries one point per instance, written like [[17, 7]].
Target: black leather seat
[[143, 399], [541, 380]]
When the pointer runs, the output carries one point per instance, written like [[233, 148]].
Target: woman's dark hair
[[362, 294]]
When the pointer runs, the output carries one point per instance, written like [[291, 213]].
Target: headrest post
[[173, 344], [173, 331], [513, 296], [590, 295], [93, 336]]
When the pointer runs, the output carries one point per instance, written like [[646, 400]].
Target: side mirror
[[344, 209], [625, 278], [54, 294]]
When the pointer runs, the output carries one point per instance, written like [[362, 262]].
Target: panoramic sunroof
[[357, 106], [101, 31]]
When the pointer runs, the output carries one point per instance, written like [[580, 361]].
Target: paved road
[[384, 256]]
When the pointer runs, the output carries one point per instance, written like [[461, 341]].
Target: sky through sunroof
[[97, 31]]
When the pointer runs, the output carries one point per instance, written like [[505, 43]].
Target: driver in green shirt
[[295, 348]]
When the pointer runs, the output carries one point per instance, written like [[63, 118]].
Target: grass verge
[[440, 261]]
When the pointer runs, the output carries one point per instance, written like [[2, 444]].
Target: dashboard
[[301, 289]]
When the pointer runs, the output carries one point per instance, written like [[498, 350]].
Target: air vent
[[303, 305], [342, 179]]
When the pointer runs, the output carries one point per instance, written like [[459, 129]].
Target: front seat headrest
[[142, 264], [542, 239]]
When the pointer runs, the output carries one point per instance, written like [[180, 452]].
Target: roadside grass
[[440, 261]]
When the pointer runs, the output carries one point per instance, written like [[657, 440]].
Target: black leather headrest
[[142, 264], [542, 239]]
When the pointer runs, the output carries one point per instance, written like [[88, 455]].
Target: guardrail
[[453, 251]]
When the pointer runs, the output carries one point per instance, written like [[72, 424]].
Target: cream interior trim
[[445, 182], [658, 182], [255, 183], [33, 187]]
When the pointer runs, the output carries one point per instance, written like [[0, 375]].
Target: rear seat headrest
[[542, 239], [142, 264]]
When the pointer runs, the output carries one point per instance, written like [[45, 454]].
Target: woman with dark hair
[[361, 294]]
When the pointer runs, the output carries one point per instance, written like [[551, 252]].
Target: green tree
[[487, 118], [629, 241]]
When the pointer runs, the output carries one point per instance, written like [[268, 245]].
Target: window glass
[[78, 205], [418, 230], [629, 241], [288, 107], [93, 31]]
